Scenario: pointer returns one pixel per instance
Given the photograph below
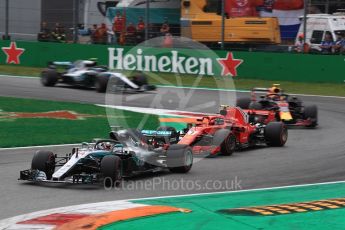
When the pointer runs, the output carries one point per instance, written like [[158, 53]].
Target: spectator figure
[[141, 25], [58, 34], [342, 49], [140, 30], [327, 44], [93, 30], [300, 46], [168, 40], [101, 34], [44, 34], [165, 28], [338, 44], [131, 33], [118, 26]]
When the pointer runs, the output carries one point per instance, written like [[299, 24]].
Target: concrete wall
[[25, 18]]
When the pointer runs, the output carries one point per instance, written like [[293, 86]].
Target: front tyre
[[179, 158], [49, 77], [111, 170], [276, 134], [44, 161], [101, 83], [310, 112]]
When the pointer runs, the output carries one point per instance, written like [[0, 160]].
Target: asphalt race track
[[310, 156]]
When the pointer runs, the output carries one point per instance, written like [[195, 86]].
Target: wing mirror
[[223, 112]]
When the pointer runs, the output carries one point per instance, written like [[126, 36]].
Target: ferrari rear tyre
[[49, 77], [255, 105], [243, 102], [276, 134], [112, 170], [44, 161], [101, 83], [179, 158]]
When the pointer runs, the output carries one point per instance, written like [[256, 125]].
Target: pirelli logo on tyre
[[282, 209]]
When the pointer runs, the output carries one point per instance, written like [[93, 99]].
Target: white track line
[[201, 88], [244, 91], [14, 76], [239, 191], [38, 146], [94, 208]]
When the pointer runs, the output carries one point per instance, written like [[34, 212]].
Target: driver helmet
[[275, 89], [107, 146], [95, 60]]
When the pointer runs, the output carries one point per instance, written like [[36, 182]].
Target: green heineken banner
[[251, 65]]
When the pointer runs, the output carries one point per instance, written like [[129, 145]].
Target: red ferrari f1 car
[[234, 129], [288, 109]]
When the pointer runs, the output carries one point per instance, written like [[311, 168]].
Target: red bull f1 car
[[288, 109]]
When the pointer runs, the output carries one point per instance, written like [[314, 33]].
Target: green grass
[[20, 71], [328, 89], [204, 211], [42, 131]]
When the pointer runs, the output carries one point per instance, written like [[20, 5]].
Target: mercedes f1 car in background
[[288, 109], [124, 155], [87, 73]]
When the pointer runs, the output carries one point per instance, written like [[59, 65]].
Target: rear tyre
[[310, 112], [255, 105], [276, 134], [111, 170], [229, 145], [49, 77], [101, 83], [180, 158], [243, 102], [44, 161]]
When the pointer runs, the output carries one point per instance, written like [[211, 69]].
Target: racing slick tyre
[[112, 170], [310, 112], [294, 102], [226, 140], [276, 134], [44, 161], [243, 102], [255, 105], [229, 145], [179, 158], [101, 83], [49, 77]]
